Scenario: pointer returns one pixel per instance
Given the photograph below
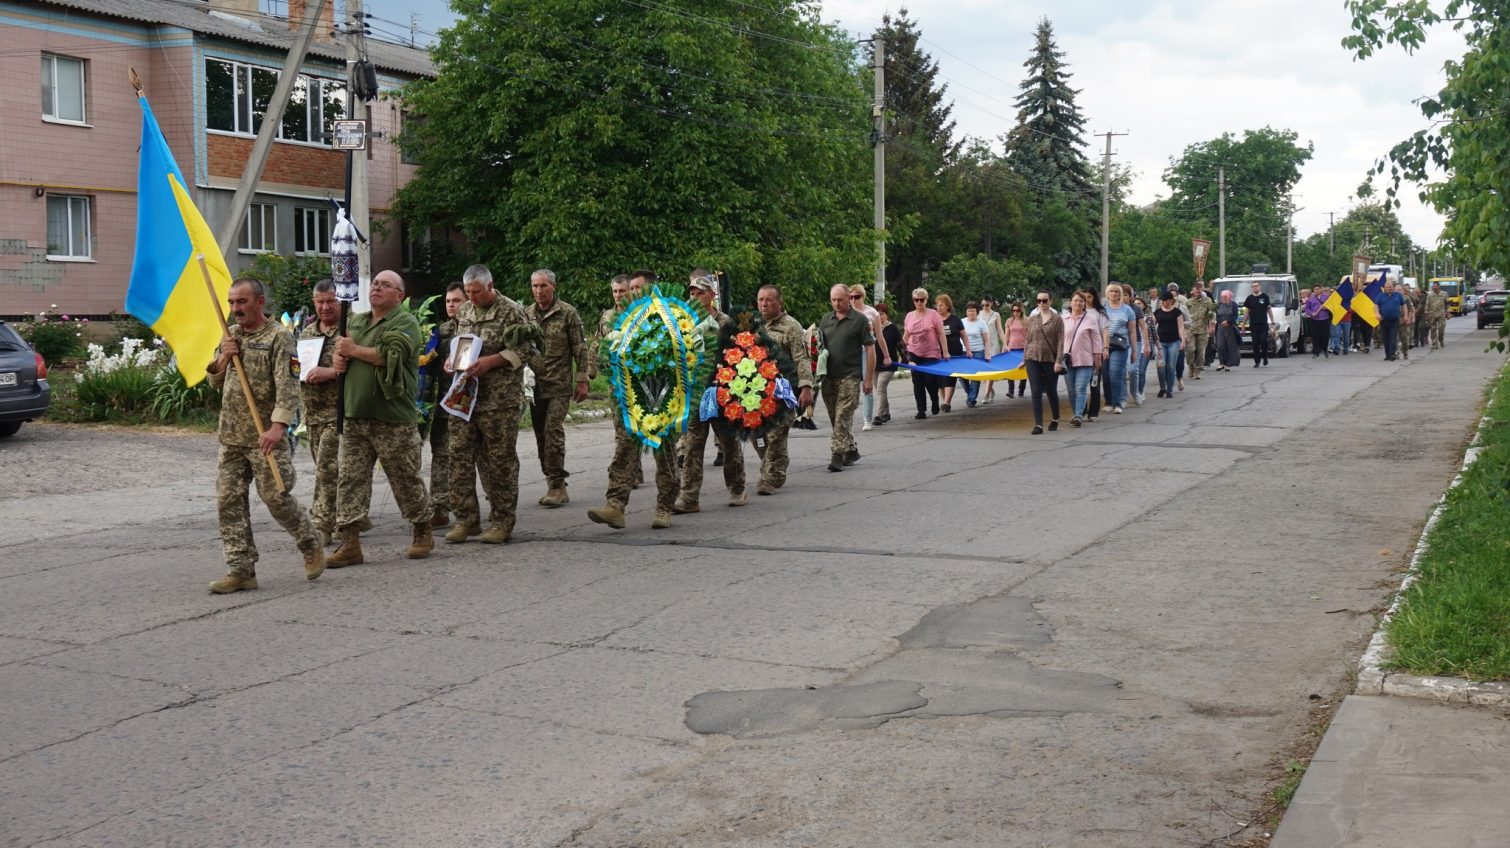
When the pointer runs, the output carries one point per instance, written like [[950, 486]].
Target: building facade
[[70, 127]]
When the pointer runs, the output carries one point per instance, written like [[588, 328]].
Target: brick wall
[[287, 164]]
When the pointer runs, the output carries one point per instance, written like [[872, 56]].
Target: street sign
[[349, 135]]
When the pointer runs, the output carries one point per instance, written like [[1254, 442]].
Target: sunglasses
[[920, 300], [1043, 300], [857, 297]]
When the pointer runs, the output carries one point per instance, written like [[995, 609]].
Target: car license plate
[[7, 378]]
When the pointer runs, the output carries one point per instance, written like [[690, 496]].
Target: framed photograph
[[465, 349]]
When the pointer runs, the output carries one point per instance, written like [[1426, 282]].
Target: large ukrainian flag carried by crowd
[[168, 291]]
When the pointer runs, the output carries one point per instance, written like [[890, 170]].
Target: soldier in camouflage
[[851, 346], [624, 470], [379, 355], [318, 388], [562, 378], [269, 361], [488, 442], [440, 421], [787, 332], [1202, 319], [597, 361], [703, 289], [1436, 315]]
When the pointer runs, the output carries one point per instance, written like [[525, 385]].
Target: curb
[[1373, 679]]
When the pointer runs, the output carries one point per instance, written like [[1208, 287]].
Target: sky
[[1169, 74]]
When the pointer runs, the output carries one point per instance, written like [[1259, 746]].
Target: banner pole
[[246, 386]]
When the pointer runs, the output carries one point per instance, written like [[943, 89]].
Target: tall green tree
[[595, 136], [1044, 150], [1262, 166], [920, 150]]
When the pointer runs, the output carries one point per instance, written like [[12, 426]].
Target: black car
[[24, 394], [1492, 308]]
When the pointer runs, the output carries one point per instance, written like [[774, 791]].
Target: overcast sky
[[1170, 74]]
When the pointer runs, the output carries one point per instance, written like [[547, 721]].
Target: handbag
[[1118, 341]]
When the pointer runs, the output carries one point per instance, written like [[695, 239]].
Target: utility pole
[[878, 116], [357, 204], [1106, 210], [1221, 212], [230, 229], [1331, 233], [1290, 236]]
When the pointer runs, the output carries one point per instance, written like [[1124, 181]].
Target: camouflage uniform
[[270, 359], [632, 465], [440, 426], [774, 459], [1436, 316], [841, 392], [320, 431], [563, 353], [382, 423], [693, 446], [489, 441], [1202, 313]]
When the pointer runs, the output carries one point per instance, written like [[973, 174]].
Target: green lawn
[[1455, 620]]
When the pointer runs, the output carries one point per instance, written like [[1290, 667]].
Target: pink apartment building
[[70, 126]]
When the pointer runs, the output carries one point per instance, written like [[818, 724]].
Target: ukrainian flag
[[167, 290], [1365, 304]]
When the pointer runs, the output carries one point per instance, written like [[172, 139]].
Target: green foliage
[[120, 394], [1152, 248], [55, 340], [130, 327], [170, 400], [289, 280], [437, 263], [1468, 139], [594, 137], [968, 277], [1455, 620]]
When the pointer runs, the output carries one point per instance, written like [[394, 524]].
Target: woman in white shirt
[[976, 333]]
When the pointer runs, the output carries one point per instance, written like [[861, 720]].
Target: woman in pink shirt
[[1082, 345], [923, 336], [1015, 334]]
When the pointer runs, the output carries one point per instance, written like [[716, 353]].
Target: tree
[[1044, 151], [593, 138], [1149, 247], [1261, 168], [920, 148], [966, 277]]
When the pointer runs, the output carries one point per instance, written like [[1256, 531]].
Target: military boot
[[234, 582], [424, 541], [662, 518], [441, 518], [350, 551], [314, 562], [611, 515], [555, 497], [738, 498], [496, 534], [366, 523], [461, 532], [685, 507]]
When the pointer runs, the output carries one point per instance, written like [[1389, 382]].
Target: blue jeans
[[1114, 387], [972, 387], [1168, 374], [1080, 388], [1140, 376]]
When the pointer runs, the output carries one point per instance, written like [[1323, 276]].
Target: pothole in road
[[957, 661]]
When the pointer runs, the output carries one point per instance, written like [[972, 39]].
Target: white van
[[1284, 297]]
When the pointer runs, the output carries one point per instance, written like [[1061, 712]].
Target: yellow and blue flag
[[167, 291], [1340, 300], [1365, 303]]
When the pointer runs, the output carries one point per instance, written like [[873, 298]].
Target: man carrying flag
[[178, 278], [1365, 306]]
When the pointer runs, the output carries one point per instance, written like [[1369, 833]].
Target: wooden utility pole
[[1106, 210], [878, 116], [1221, 215]]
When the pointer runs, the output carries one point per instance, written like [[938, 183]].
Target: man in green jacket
[[380, 357]]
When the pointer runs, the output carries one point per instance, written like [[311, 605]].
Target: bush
[[130, 327], [117, 387], [967, 277], [171, 400], [55, 340], [289, 281]]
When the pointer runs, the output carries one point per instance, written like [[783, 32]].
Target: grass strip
[[1455, 619]]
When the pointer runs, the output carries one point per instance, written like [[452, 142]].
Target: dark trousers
[[1389, 328], [1043, 381], [1260, 343], [1321, 335], [1363, 333], [925, 387]]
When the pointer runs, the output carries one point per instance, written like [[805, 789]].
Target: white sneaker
[[866, 426], [1116, 410], [1139, 399]]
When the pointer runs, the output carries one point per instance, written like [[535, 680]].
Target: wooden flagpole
[[246, 386]]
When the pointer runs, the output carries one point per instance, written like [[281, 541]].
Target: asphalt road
[[1107, 636]]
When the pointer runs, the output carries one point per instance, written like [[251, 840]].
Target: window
[[68, 231], [62, 88], [414, 247], [408, 138], [260, 234], [237, 96], [311, 231]]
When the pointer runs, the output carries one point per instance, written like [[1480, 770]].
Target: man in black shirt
[[1258, 307]]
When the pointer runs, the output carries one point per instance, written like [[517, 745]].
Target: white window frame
[[50, 110], [312, 223], [75, 202], [268, 213], [244, 118]]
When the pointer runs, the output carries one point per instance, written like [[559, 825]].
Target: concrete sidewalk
[[1405, 772]]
